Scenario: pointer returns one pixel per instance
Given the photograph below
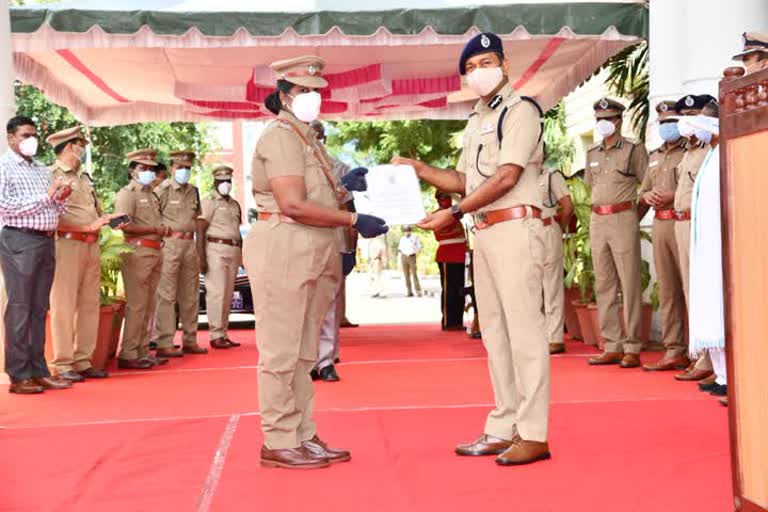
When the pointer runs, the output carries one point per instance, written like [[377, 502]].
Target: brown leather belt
[[46, 234], [665, 215], [609, 209], [683, 214], [183, 235], [548, 221], [144, 242], [224, 241], [485, 220], [88, 238], [283, 218]]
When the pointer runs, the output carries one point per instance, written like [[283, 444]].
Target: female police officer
[[291, 255]]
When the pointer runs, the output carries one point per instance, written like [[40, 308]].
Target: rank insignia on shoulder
[[496, 101]]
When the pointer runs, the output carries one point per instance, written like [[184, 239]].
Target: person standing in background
[[451, 258], [409, 248], [377, 255]]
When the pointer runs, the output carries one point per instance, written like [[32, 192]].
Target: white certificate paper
[[393, 194]]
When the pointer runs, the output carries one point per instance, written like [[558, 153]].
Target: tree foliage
[[110, 144], [628, 78]]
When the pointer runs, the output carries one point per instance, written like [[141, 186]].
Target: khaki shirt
[[179, 205], [662, 168], [553, 189], [482, 154], [686, 175], [222, 215], [83, 206], [614, 173], [141, 204], [281, 152]]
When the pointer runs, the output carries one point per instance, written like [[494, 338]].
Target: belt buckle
[[480, 220], [679, 214]]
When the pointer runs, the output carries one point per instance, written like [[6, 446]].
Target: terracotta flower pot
[[595, 317], [117, 328], [585, 322], [100, 357], [569, 314]]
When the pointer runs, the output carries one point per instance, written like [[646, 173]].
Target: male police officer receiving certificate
[[499, 171]]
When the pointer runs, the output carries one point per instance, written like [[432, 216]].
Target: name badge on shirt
[[653, 164], [594, 164], [143, 200], [174, 201]]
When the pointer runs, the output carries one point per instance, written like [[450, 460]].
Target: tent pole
[[7, 98]]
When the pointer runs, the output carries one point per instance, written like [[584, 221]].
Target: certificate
[[393, 194]]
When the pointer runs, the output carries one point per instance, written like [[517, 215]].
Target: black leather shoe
[[707, 387], [315, 376], [233, 343], [328, 374], [71, 376], [93, 373], [719, 390]]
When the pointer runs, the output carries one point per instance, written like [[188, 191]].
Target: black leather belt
[[29, 231]]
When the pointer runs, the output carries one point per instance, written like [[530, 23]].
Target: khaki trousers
[[671, 294], [377, 276], [683, 238], [509, 300], [294, 272], [616, 259], [554, 291], [141, 275], [330, 339], [75, 305], [179, 283], [223, 264], [411, 273]]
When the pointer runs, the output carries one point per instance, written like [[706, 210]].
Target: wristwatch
[[456, 212]]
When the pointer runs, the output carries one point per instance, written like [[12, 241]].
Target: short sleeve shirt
[[663, 168], [83, 205], [223, 217], [687, 172], [553, 189], [483, 154], [615, 172], [179, 205], [141, 203]]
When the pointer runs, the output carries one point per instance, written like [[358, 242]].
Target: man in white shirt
[[409, 247]]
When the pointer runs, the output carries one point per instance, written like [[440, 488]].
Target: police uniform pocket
[[487, 156]]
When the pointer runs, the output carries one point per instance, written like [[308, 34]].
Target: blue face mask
[[182, 175], [146, 177], [669, 132]]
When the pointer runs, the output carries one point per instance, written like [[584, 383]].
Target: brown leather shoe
[[556, 348], [483, 445], [25, 387], [606, 358], [668, 363], [694, 374], [319, 448], [220, 343], [293, 458], [93, 373], [134, 364], [169, 352], [194, 349], [233, 343], [630, 361], [524, 452], [70, 376], [52, 383], [724, 401]]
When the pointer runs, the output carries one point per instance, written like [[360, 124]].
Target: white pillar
[[7, 98]]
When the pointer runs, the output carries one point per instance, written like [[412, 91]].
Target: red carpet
[[622, 441]]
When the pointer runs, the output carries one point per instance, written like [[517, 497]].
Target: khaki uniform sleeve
[[206, 212], [646, 184], [521, 135], [639, 163], [125, 203], [462, 165], [282, 152], [559, 186], [588, 170], [162, 194]]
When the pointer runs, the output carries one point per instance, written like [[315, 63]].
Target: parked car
[[242, 301]]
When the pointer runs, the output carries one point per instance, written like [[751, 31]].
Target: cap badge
[[312, 69], [664, 107], [603, 103], [484, 41], [689, 101]]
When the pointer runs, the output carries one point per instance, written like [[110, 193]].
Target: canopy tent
[[116, 67]]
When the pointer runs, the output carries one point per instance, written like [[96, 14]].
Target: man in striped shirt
[[30, 204]]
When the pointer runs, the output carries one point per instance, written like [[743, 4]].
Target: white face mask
[[483, 81], [224, 188], [306, 106], [605, 128], [685, 128], [711, 123], [28, 147]]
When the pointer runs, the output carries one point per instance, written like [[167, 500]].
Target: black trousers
[[28, 262], [452, 304]]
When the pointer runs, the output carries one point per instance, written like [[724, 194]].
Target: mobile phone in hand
[[123, 219]]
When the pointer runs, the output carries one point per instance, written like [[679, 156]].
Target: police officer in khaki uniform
[[556, 196], [658, 191], [219, 248], [141, 268], [75, 290], [180, 279], [614, 169], [292, 258], [687, 171], [499, 172]]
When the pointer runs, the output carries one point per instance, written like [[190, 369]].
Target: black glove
[[348, 262], [369, 226], [355, 181]]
